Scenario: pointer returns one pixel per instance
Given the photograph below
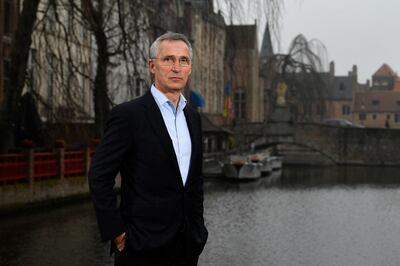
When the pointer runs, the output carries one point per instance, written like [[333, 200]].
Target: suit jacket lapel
[[157, 123]]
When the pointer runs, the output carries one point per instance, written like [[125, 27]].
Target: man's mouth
[[176, 78]]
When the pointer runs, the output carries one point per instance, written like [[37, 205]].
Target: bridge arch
[[341, 145], [263, 146]]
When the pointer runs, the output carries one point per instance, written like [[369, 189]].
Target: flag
[[228, 111]]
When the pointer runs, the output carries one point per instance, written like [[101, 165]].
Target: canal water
[[306, 216]]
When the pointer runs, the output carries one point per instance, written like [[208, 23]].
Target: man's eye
[[184, 60], [167, 59]]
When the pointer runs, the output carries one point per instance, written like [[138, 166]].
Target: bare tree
[[302, 69], [98, 41], [19, 59], [116, 33]]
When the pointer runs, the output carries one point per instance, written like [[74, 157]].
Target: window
[[375, 102], [239, 100], [83, 84], [345, 109], [51, 70], [397, 118], [6, 78], [341, 86], [374, 116], [307, 109], [319, 109], [51, 18], [388, 117], [70, 18], [7, 17], [362, 116], [398, 103], [31, 69]]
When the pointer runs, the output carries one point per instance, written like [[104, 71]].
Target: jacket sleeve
[[105, 166]]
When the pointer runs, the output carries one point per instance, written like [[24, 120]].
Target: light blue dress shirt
[[175, 122]]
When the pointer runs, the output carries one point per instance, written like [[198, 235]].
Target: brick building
[[241, 67], [9, 11], [379, 105]]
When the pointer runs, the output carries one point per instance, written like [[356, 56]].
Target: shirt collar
[[163, 100]]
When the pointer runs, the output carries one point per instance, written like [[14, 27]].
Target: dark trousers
[[172, 255]]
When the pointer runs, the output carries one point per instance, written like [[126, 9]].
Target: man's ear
[[151, 66]]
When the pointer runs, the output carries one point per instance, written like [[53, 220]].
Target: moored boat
[[239, 168], [212, 167], [276, 162]]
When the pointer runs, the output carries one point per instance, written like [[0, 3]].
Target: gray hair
[[169, 36]]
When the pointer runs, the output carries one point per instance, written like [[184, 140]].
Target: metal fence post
[[87, 160], [31, 169], [61, 165]]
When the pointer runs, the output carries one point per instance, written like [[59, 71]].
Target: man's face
[[172, 66]]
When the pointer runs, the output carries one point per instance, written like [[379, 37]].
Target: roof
[[396, 86], [385, 71], [385, 101], [266, 46], [208, 126], [241, 36]]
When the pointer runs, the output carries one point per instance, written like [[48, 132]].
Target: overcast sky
[[361, 32]]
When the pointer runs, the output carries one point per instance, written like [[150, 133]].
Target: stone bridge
[[342, 145]]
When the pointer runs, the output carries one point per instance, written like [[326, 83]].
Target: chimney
[[332, 68], [355, 70], [354, 74]]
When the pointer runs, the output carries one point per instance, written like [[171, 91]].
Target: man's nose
[[176, 67]]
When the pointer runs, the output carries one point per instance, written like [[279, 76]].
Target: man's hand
[[120, 242]]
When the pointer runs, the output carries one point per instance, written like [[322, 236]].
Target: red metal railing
[[30, 165], [74, 163], [45, 165], [13, 166]]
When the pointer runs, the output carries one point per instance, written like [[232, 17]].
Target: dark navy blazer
[[155, 205]]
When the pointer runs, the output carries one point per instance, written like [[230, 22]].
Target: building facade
[[9, 11], [379, 105], [339, 99], [241, 69], [379, 109], [60, 65], [207, 33], [384, 78]]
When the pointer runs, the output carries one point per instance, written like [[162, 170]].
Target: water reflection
[[308, 216], [61, 236], [350, 176]]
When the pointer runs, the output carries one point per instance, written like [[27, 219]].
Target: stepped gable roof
[[343, 88], [385, 71], [389, 101]]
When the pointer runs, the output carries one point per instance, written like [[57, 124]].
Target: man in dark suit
[[155, 143]]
